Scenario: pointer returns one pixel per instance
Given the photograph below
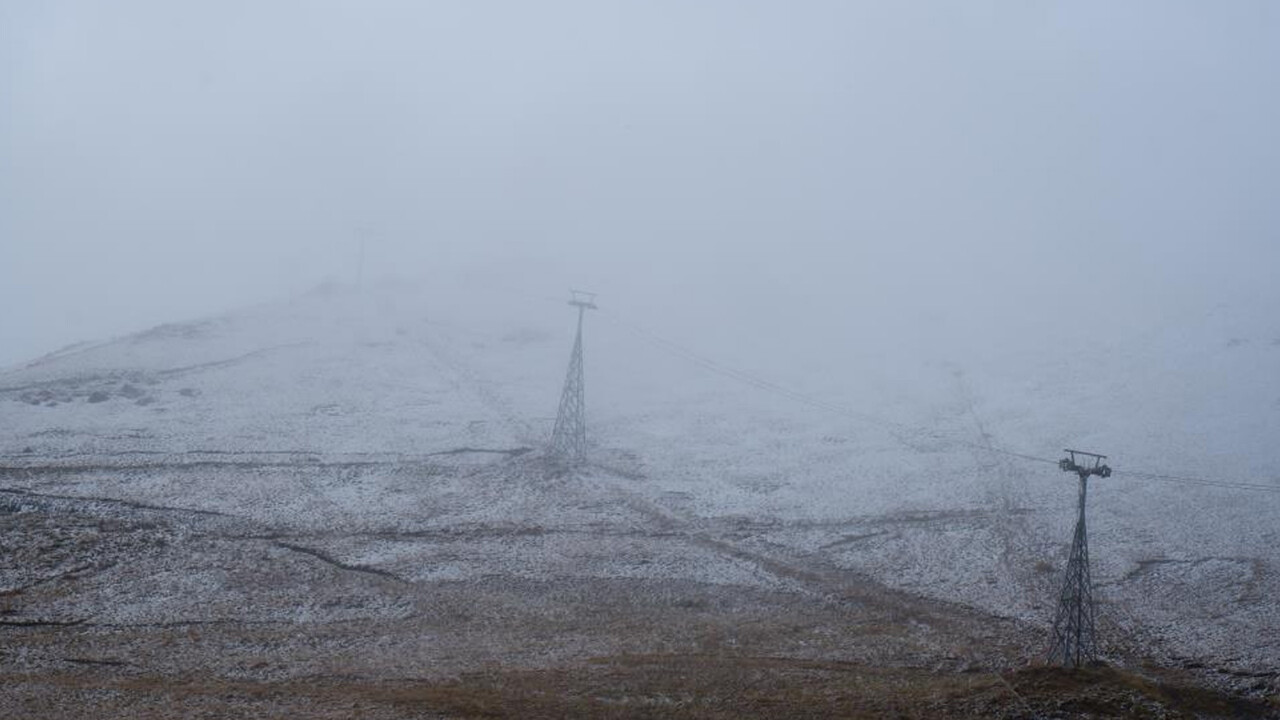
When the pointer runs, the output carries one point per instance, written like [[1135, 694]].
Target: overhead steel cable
[[895, 427], [748, 379], [1205, 482]]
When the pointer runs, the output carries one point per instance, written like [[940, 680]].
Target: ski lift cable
[[1204, 482], [897, 427], [769, 386]]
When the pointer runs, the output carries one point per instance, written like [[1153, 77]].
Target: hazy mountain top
[[1195, 393]]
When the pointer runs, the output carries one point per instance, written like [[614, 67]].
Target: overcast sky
[[963, 164]]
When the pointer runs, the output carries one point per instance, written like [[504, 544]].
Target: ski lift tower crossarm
[[1092, 464], [582, 300]]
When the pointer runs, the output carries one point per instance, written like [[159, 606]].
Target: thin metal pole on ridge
[[1074, 634], [569, 438]]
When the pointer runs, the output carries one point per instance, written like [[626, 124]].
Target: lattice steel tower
[[569, 438], [1074, 642]]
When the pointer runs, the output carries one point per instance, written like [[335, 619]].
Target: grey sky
[[963, 164]]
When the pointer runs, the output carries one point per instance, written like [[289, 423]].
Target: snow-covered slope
[[884, 473]]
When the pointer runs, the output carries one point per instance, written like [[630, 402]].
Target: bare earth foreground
[[340, 507]]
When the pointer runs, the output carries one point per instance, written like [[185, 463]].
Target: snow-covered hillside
[[885, 473]]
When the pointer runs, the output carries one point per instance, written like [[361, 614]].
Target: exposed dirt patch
[[646, 686]]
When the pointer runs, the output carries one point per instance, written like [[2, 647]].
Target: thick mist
[[812, 177], [295, 419]]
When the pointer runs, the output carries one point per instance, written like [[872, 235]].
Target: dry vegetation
[[710, 686], [116, 608], [510, 647]]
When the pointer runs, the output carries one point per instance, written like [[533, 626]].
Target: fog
[[888, 173]]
